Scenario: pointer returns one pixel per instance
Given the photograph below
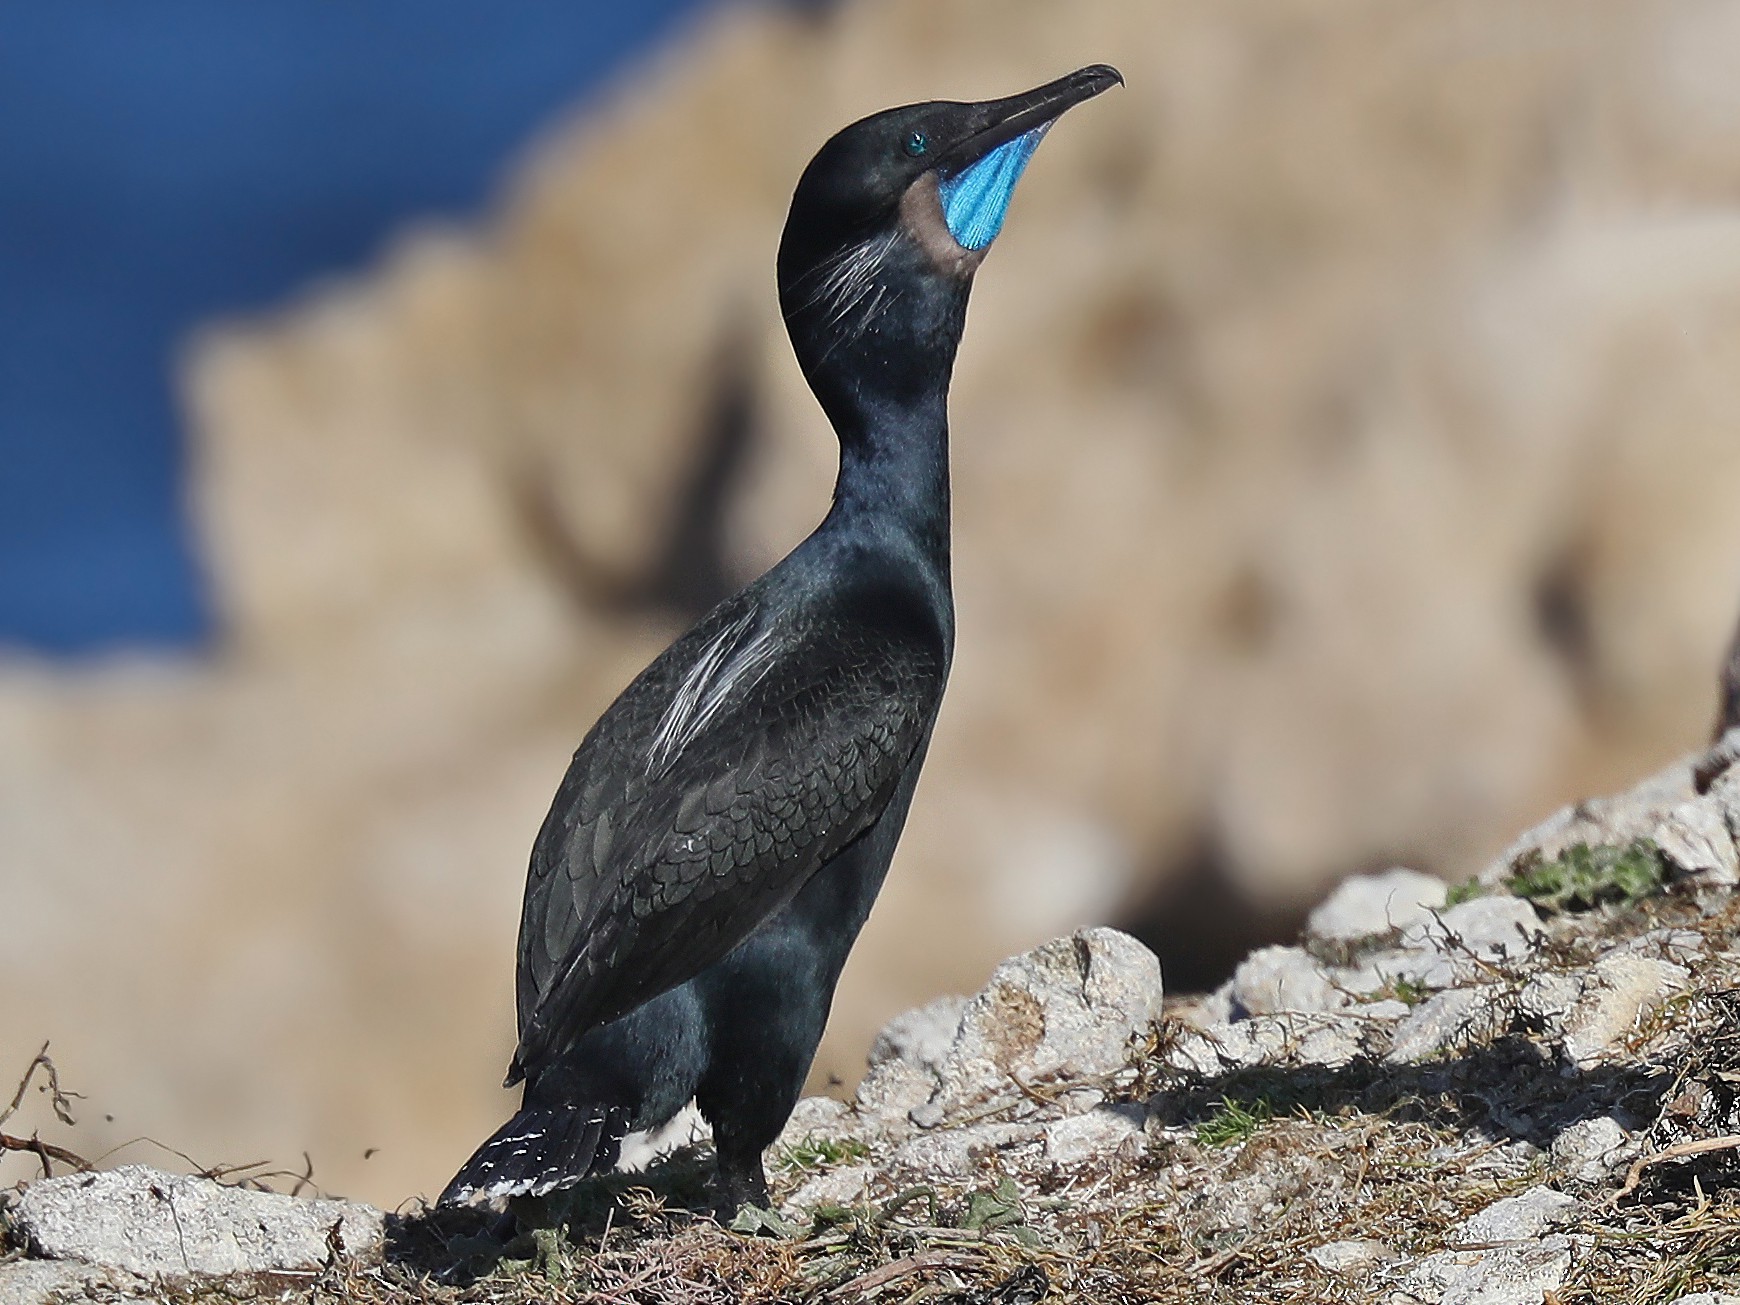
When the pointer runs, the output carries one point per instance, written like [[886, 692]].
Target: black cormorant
[[722, 831]]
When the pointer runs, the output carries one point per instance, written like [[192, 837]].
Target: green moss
[[1457, 894], [1583, 876]]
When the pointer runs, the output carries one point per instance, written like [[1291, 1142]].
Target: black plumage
[[724, 828]]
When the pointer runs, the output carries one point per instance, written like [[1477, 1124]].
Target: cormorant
[[723, 829]]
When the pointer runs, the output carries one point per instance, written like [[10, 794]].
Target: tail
[[541, 1150]]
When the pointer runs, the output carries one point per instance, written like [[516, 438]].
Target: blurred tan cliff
[[1346, 448]]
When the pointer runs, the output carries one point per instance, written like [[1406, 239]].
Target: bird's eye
[[917, 143]]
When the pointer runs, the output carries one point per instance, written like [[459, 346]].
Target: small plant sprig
[[816, 1151], [1234, 1122]]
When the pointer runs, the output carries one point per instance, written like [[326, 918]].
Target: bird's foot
[[549, 1258], [540, 1251], [756, 1219], [743, 1197]]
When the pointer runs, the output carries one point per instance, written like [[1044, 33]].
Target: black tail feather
[[541, 1150]]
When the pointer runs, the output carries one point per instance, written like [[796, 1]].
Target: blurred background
[[1347, 459]]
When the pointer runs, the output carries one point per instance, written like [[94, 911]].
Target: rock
[[1707, 1298], [1348, 1258], [1274, 1040], [815, 1117], [1064, 1011], [1098, 1134], [1606, 821], [891, 1091], [1531, 1214], [1550, 996], [1389, 1010], [959, 1152], [1516, 1274], [1370, 905], [1489, 928], [1451, 1020], [1717, 762], [1276, 979], [1724, 789], [1520, 1275], [1327, 1041], [843, 1186], [1590, 1150], [1623, 990], [38, 1282], [1677, 945], [142, 1221], [1694, 835], [920, 1037]]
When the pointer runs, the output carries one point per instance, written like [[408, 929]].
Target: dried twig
[[61, 1099], [886, 1273], [43, 1151], [1633, 1176]]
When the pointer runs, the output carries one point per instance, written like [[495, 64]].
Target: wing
[[739, 763]]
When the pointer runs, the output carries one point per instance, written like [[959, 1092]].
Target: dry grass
[[1242, 1177]]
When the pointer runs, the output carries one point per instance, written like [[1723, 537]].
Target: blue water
[[163, 162]]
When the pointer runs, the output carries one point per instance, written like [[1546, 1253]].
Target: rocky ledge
[[1524, 1089]]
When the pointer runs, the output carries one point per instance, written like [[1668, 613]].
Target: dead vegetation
[[1243, 1179], [1245, 1175], [46, 1153]]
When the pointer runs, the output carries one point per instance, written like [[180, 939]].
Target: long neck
[[883, 378], [894, 474]]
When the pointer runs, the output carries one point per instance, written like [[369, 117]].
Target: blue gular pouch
[[975, 199]]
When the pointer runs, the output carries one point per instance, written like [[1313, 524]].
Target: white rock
[[1520, 1275], [843, 1186], [1707, 1298], [1589, 1151], [1679, 945], [1064, 1011], [1491, 928], [1389, 1010], [1623, 990], [38, 1282], [1425, 968], [1272, 980], [1725, 792], [816, 1117], [1100, 1133], [1615, 821], [1368, 905], [961, 1152], [1277, 1040], [1449, 1021], [921, 1037], [1694, 835], [890, 1091], [146, 1222], [1528, 1215], [1350, 1257], [1524, 1265], [1325, 1040], [1550, 997]]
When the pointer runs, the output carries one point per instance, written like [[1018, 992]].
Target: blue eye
[[917, 143]]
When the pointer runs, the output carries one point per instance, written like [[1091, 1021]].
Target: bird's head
[[895, 213]]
